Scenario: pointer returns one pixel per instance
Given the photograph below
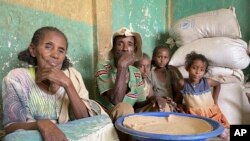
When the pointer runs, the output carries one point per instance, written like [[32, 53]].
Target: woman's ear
[[32, 50]]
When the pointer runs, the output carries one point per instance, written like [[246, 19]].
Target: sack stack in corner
[[215, 34]]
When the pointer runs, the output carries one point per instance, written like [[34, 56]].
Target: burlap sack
[[222, 22]]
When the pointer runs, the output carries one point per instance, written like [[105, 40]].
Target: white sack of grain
[[216, 23], [221, 51]]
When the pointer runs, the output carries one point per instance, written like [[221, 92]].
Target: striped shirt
[[105, 78]]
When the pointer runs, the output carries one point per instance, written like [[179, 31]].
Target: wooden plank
[[170, 14], [104, 27]]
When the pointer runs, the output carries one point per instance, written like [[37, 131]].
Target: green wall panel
[[144, 16]]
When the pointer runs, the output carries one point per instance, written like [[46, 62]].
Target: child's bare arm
[[176, 76], [178, 99], [216, 89]]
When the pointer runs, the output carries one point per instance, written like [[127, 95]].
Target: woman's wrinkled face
[[51, 50], [123, 44]]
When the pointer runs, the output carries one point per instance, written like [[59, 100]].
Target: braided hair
[[191, 57]]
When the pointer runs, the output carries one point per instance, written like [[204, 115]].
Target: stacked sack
[[215, 34]]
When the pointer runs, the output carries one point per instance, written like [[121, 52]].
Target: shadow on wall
[[163, 40], [1, 114]]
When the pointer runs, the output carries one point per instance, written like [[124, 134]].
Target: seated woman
[[47, 93]]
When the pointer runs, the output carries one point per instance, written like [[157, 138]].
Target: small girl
[[196, 91], [164, 77]]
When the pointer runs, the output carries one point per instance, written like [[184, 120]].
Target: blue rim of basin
[[217, 128]]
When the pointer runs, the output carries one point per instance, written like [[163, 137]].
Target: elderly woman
[[47, 93]]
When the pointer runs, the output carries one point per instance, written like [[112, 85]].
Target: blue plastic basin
[[143, 136]]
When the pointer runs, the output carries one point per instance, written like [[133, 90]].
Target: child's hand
[[181, 108], [159, 102]]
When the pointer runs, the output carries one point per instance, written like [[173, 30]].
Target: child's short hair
[[191, 57], [162, 46], [144, 55]]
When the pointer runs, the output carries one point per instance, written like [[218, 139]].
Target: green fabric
[[104, 102], [32, 72]]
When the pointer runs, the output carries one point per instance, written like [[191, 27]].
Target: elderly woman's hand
[[54, 76], [49, 131]]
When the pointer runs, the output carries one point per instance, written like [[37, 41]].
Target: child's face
[[196, 71], [161, 58], [144, 67]]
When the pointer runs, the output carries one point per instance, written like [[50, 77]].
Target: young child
[[164, 77], [197, 94], [144, 65], [158, 103]]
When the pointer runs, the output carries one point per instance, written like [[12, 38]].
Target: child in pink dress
[[200, 94]]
